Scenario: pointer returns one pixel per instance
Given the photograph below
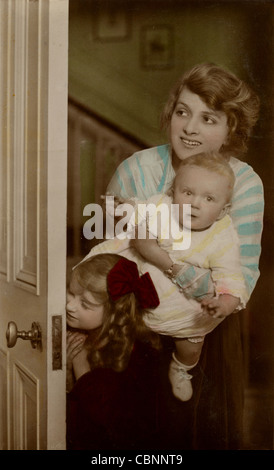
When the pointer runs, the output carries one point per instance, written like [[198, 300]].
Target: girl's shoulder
[[112, 382], [93, 381]]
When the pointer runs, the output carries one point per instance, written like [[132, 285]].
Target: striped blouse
[[150, 171]]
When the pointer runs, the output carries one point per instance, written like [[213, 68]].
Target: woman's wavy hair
[[221, 91], [111, 344]]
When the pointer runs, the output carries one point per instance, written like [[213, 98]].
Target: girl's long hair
[[111, 344]]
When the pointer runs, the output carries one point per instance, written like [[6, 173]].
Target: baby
[[187, 312], [206, 182]]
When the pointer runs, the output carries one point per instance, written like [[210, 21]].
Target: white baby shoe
[[180, 379]]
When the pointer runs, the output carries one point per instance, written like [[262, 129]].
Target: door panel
[[26, 401], [33, 163]]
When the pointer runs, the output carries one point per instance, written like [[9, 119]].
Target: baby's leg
[[185, 357], [188, 350]]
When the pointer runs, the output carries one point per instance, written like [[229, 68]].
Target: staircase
[[95, 149]]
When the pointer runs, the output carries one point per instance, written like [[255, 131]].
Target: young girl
[[209, 109], [112, 366], [110, 356]]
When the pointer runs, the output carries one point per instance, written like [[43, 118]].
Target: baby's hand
[[220, 307], [176, 269], [111, 205], [109, 208]]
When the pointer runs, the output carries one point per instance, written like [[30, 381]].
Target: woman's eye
[[181, 112], [209, 120]]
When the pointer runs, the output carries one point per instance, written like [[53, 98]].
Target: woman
[[209, 109]]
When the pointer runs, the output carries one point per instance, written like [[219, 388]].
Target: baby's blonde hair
[[212, 161]]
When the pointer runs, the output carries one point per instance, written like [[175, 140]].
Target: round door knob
[[34, 335]]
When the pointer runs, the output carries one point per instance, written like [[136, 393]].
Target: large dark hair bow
[[124, 278]]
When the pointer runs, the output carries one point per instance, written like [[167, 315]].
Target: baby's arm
[[220, 307], [114, 210], [154, 254]]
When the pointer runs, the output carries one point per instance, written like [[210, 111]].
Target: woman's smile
[[190, 143]]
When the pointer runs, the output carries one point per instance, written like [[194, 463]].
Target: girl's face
[[195, 128], [83, 310]]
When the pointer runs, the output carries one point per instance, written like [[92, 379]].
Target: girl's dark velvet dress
[[116, 410], [136, 410]]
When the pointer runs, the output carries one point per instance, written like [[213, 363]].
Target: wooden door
[[33, 159]]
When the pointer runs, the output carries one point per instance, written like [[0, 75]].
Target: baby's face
[[206, 191]]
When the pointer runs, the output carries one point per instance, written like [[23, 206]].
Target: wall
[[109, 76]]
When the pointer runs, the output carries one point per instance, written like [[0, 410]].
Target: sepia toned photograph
[[136, 236]]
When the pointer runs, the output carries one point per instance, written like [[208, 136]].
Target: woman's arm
[[247, 215], [224, 262]]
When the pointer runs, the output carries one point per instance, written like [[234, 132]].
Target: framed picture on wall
[[111, 24], [157, 47]]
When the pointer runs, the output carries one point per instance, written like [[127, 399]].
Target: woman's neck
[[175, 161]]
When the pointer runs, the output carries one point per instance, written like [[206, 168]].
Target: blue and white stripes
[[247, 215]]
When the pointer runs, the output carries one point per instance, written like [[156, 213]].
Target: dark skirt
[[213, 418]]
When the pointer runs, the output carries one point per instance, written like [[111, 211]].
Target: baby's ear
[[225, 210]]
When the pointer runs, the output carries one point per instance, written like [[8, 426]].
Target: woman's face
[[83, 310], [195, 128]]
